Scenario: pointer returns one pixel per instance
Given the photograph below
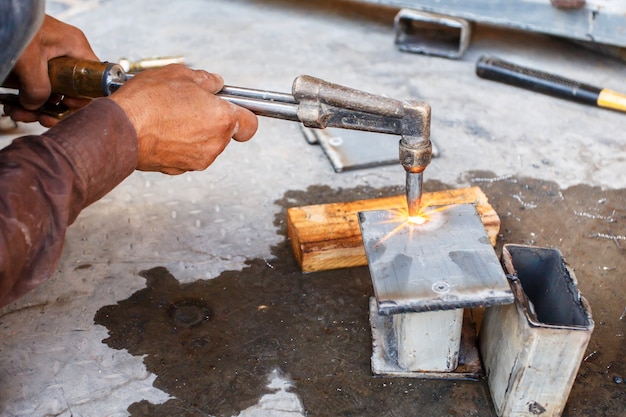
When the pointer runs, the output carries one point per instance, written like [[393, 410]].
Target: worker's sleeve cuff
[[101, 146]]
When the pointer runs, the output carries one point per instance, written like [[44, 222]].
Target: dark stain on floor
[[213, 343]]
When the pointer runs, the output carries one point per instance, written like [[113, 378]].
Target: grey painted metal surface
[[601, 21], [445, 263]]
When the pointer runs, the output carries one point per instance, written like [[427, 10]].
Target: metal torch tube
[[257, 94], [415, 152], [285, 111], [260, 102], [414, 183]]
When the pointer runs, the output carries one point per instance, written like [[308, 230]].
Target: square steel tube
[[532, 349], [431, 34]]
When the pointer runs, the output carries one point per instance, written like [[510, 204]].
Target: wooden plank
[[327, 236]]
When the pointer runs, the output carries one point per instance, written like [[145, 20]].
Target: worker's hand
[[54, 39], [181, 124]]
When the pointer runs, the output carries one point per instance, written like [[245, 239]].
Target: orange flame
[[421, 218], [401, 216]]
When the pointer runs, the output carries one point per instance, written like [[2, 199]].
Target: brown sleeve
[[46, 180]]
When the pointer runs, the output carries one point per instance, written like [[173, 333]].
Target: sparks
[[402, 219], [414, 223], [419, 219]]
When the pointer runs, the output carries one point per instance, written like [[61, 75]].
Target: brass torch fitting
[[415, 151], [415, 148], [415, 156]]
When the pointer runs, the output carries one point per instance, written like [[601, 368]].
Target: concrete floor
[[199, 225]]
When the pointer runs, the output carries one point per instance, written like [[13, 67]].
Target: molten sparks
[[402, 218], [419, 219]]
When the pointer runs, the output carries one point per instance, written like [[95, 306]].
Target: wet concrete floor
[[212, 343], [200, 224]]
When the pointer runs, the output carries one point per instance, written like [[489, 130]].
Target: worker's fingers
[[47, 121], [57, 39], [20, 114], [230, 120], [32, 71], [246, 125], [169, 171], [181, 124], [54, 39], [242, 121], [213, 83], [75, 103]]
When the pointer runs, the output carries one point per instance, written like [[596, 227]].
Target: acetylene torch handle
[[496, 69], [79, 78]]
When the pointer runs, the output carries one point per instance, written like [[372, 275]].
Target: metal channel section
[[599, 21], [445, 263]]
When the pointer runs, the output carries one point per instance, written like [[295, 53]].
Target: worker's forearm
[[45, 181]]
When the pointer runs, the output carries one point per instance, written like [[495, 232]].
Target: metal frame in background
[[598, 22]]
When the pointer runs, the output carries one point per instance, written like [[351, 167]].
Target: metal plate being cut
[[445, 263]]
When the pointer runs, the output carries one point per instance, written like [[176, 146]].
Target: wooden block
[[327, 236]]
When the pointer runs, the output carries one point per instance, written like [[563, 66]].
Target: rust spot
[[568, 4]]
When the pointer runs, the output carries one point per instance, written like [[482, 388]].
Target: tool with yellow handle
[[496, 69]]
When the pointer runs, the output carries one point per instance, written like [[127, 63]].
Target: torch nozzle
[[414, 183], [416, 151]]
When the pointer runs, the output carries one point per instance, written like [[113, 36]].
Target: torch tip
[[414, 193]]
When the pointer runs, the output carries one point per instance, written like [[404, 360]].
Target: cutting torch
[[313, 102]]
